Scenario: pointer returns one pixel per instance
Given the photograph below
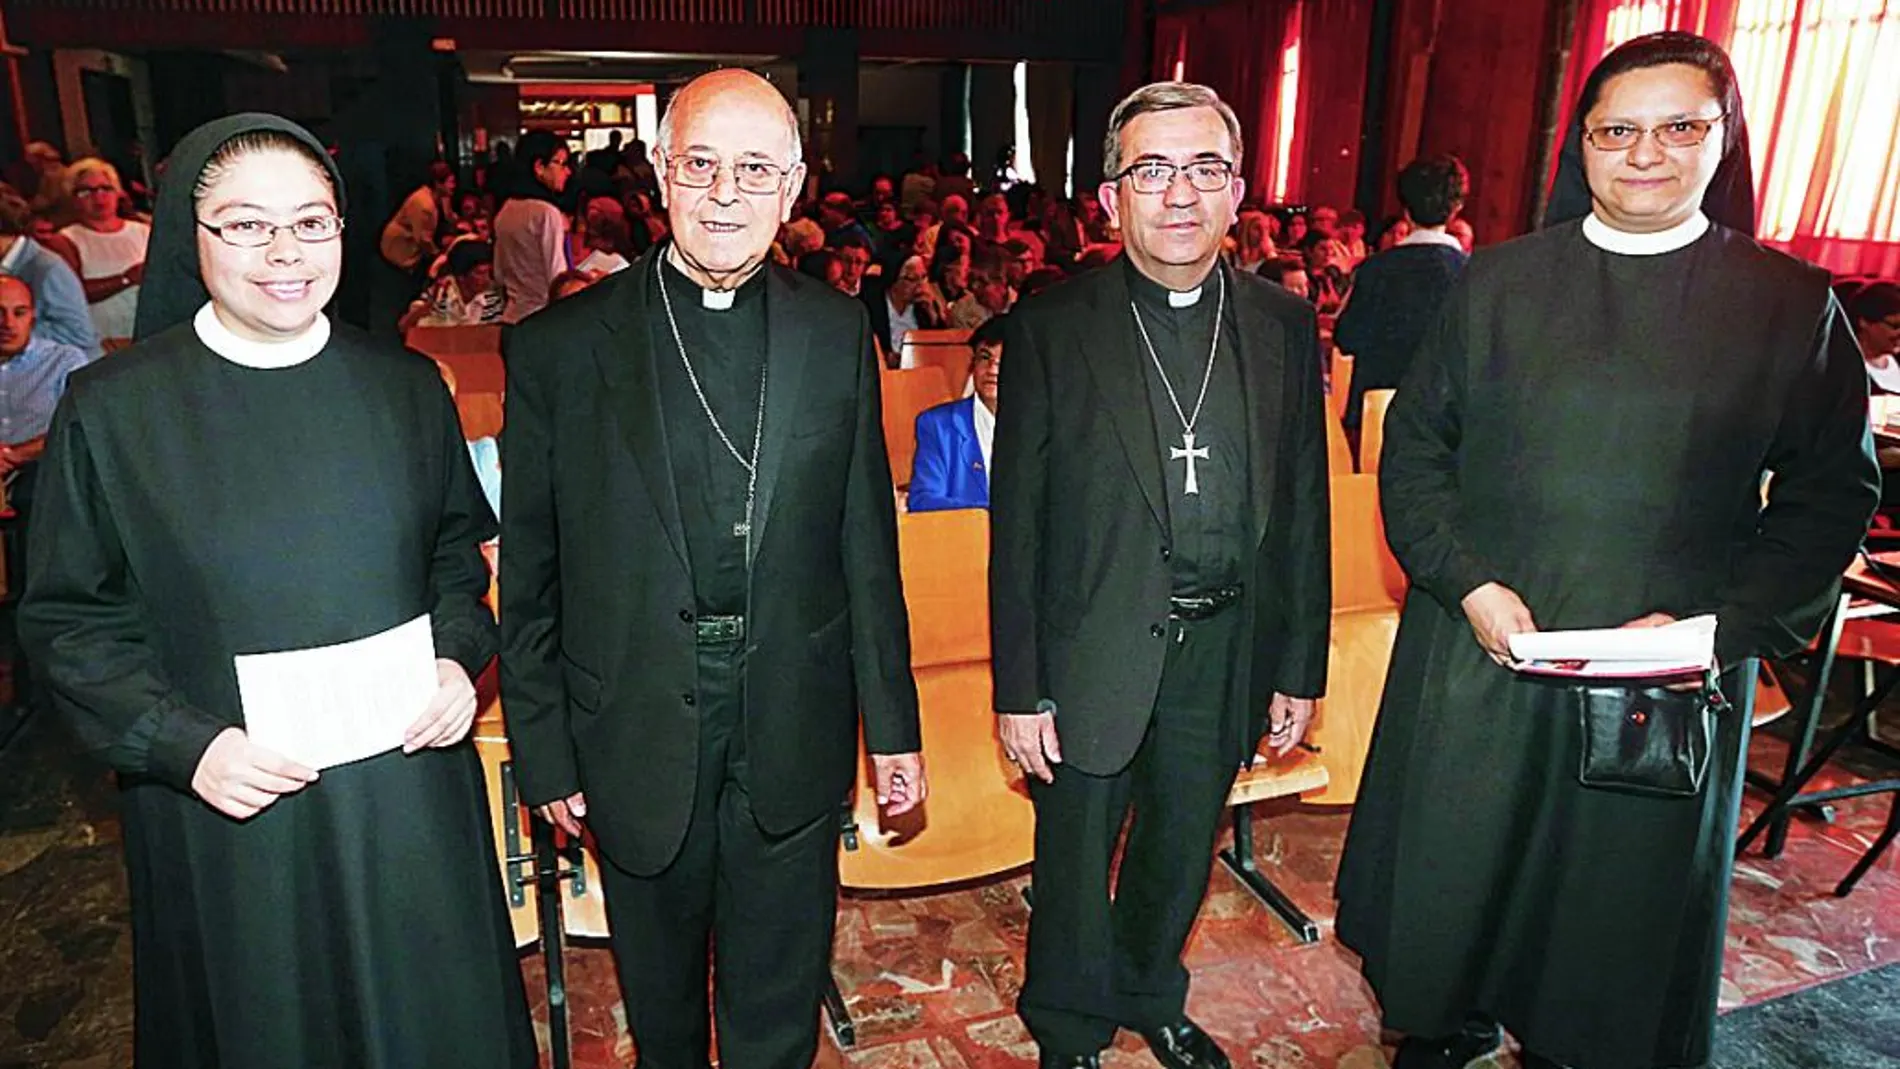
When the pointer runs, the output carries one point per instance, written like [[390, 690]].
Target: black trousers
[[1097, 963], [765, 903]]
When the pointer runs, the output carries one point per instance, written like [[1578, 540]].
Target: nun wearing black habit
[[1581, 443], [246, 479]]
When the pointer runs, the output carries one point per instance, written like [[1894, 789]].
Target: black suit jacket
[[598, 662], [1079, 554]]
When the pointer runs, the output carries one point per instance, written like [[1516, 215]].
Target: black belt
[[1203, 605], [719, 630]]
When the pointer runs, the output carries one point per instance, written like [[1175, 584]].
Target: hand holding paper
[[1646, 648], [330, 705], [450, 713], [239, 778], [1497, 614]]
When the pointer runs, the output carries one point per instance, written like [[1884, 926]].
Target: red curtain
[[1333, 42], [1233, 49], [1238, 48]]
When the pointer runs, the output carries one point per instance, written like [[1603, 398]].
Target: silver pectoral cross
[[1190, 454]]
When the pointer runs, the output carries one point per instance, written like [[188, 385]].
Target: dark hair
[[1433, 188], [466, 256], [846, 239], [440, 172], [250, 143], [1661, 50], [1873, 302], [1288, 267], [817, 264], [537, 146], [990, 332], [988, 261], [16, 213], [958, 163]]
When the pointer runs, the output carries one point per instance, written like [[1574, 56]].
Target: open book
[[1682, 648]]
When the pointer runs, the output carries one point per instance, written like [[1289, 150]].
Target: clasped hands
[[241, 779]]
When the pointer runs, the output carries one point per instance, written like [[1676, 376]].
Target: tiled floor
[[930, 979]]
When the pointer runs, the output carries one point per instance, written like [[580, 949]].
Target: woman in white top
[[111, 248]]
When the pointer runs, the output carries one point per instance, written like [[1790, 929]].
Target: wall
[[68, 65]]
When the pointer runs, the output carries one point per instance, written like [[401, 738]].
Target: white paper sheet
[[1680, 648], [330, 705]]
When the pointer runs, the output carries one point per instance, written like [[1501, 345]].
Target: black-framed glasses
[[1155, 176], [94, 191], [758, 177], [257, 233], [1676, 133]]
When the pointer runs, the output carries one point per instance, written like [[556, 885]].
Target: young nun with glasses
[[1581, 443], [248, 479]]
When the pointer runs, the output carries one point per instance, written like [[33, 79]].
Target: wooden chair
[[947, 349], [1338, 450], [472, 352], [1368, 589], [480, 414], [1372, 429], [1339, 383], [1299, 773], [907, 393], [977, 821]]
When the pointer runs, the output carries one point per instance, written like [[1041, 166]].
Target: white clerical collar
[[716, 300], [1185, 298], [1609, 239], [265, 356], [1886, 374], [1423, 236]]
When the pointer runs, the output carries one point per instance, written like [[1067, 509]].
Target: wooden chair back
[[1372, 429], [947, 349], [978, 820], [905, 394], [1338, 450], [1338, 383]]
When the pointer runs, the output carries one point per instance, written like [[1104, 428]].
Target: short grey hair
[[665, 135], [1163, 96]]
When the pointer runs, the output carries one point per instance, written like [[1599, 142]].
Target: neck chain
[[1188, 451], [742, 528]]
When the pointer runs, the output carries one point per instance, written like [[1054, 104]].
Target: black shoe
[[1182, 1045], [1051, 1060], [1447, 1052]]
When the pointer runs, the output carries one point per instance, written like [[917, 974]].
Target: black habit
[[1590, 429], [191, 510], [1092, 532], [713, 759]]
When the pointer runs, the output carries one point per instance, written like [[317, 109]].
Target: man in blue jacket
[[951, 469]]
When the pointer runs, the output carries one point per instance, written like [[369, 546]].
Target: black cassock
[[192, 509], [1590, 429]]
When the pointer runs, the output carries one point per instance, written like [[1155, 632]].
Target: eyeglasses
[[257, 233], [1679, 133], [94, 191], [758, 177], [1156, 176]]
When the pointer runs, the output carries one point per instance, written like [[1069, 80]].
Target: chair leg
[[548, 880], [843, 1028], [1779, 807], [1239, 860], [1804, 743], [1867, 860]]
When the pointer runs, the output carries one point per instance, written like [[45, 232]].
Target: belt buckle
[[711, 629]]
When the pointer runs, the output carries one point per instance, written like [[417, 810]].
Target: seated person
[[951, 469], [466, 294], [33, 370], [1874, 310], [904, 304]]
